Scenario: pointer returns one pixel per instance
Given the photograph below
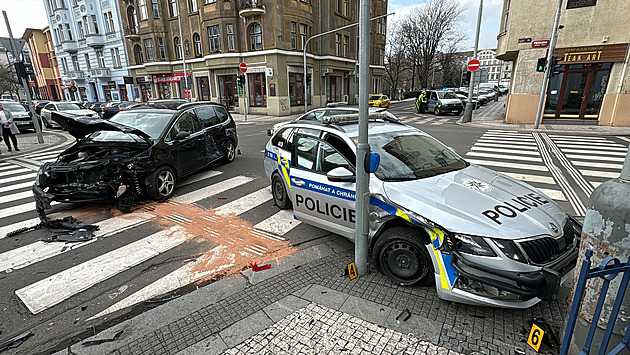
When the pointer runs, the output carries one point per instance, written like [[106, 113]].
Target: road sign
[[243, 67], [535, 337], [541, 43], [473, 65]]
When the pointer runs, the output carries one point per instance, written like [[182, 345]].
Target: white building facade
[[89, 43], [496, 69]]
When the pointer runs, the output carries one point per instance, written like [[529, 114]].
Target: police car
[[444, 101], [484, 238]]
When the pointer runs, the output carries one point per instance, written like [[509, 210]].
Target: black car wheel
[[437, 111], [401, 256], [280, 196], [162, 183], [230, 152]]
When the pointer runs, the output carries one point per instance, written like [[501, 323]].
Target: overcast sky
[[30, 13]]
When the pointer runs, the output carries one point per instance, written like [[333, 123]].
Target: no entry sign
[[243, 67], [473, 65]]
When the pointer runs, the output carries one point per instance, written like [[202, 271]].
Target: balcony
[[95, 40], [69, 46], [251, 8], [100, 72], [132, 32], [76, 74]]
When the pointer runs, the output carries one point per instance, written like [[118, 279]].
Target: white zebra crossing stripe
[[531, 178], [441, 121], [200, 176], [46, 153], [508, 165], [501, 156], [16, 196], [507, 135], [25, 207], [523, 140], [212, 190], [596, 152], [624, 139], [618, 148], [599, 173], [595, 158], [245, 203], [21, 185], [554, 194], [279, 223], [593, 164], [14, 170], [506, 151], [61, 286], [8, 180], [595, 183], [530, 143], [581, 138]]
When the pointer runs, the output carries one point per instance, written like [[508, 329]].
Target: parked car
[[444, 101], [114, 107], [464, 99], [96, 107], [484, 238], [39, 105], [137, 154], [68, 107], [378, 100], [21, 117]]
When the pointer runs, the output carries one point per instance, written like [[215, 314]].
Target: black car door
[[187, 139], [212, 130]]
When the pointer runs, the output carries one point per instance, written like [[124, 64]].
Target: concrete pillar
[[606, 231]]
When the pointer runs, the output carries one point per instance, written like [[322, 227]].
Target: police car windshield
[[408, 155], [446, 95]]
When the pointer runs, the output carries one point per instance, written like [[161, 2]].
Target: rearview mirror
[[340, 174], [182, 135]]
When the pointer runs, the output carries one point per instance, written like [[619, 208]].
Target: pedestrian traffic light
[[556, 68], [541, 64], [308, 79], [240, 80], [466, 78]]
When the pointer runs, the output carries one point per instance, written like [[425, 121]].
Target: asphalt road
[[65, 292]]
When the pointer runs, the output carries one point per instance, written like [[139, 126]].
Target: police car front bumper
[[451, 108]]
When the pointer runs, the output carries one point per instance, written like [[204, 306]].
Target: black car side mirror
[[182, 135]]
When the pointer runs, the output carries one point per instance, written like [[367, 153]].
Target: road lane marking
[[599, 173], [501, 150], [618, 148], [529, 143], [21, 185], [17, 178], [553, 194], [212, 190], [57, 288], [594, 158], [598, 165], [245, 203], [502, 156], [596, 152], [554, 136], [624, 139], [16, 196], [279, 223], [508, 165], [23, 208], [586, 187], [199, 176]]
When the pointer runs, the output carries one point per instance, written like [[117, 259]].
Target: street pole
[[469, 106], [245, 87], [363, 147], [552, 47], [38, 129], [181, 43], [329, 32]]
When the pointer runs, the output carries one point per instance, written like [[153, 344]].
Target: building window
[[80, 27], [338, 7], [230, 37], [86, 26], [506, 15], [303, 29], [255, 37], [69, 32], [214, 39], [100, 57], [382, 56], [172, 8], [133, 20], [197, 43], [257, 89], [161, 48], [338, 45], [293, 35], [156, 9], [57, 37], [148, 49], [142, 7], [346, 40], [108, 25], [95, 25], [64, 64], [88, 65], [178, 48], [116, 57], [296, 89], [192, 6], [346, 7], [207, 2], [138, 52], [75, 62]]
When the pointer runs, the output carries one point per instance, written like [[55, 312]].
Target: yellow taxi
[[378, 101]]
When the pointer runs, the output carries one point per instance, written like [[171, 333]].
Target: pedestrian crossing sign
[[352, 271]]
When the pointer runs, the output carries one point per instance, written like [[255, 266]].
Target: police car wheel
[[280, 196], [401, 256], [437, 111]]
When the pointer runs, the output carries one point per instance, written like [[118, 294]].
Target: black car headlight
[[470, 245], [510, 250]]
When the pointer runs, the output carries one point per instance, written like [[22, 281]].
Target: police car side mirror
[[340, 174], [372, 161]]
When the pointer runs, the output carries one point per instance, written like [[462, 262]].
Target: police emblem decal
[[476, 185]]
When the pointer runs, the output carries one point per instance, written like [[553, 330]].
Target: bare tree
[[395, 59], [8, 80], [427, 30]]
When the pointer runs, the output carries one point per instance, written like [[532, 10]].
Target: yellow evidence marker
[[535, 337]]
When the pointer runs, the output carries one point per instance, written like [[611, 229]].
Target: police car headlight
[[470, 245], [510, 250]]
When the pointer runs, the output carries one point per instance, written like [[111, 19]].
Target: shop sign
[[169, 78], [574, 4], [127, 79], [143, 80], [111, 84], [31, 84], [592, 54]]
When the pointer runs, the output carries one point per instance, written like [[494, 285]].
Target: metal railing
[[251, 4], [608, 270]]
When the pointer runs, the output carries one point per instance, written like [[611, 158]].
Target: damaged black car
[[137, 154]]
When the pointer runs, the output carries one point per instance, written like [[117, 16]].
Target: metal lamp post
[[469, 105]]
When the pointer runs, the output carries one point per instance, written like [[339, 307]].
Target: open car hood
[[81, 126]]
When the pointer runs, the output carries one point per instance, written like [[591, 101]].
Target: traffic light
[[556, 68], [466, 78], [541, 64], [240, 80], [20, 69], [308, 79]]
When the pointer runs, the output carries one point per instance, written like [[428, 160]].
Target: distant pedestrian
[[9, 129]]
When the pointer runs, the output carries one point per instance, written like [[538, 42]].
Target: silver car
[[484, 238], [69, 107]]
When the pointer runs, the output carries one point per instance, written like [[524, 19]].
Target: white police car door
[[316, 200]]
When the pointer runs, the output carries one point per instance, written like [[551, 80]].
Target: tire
[[279, 192], [163, 182], [230, 152], [48, 125], [401, 255], [437, 111]]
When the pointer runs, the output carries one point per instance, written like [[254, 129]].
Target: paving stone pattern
[[464, 329], [316, 329]]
